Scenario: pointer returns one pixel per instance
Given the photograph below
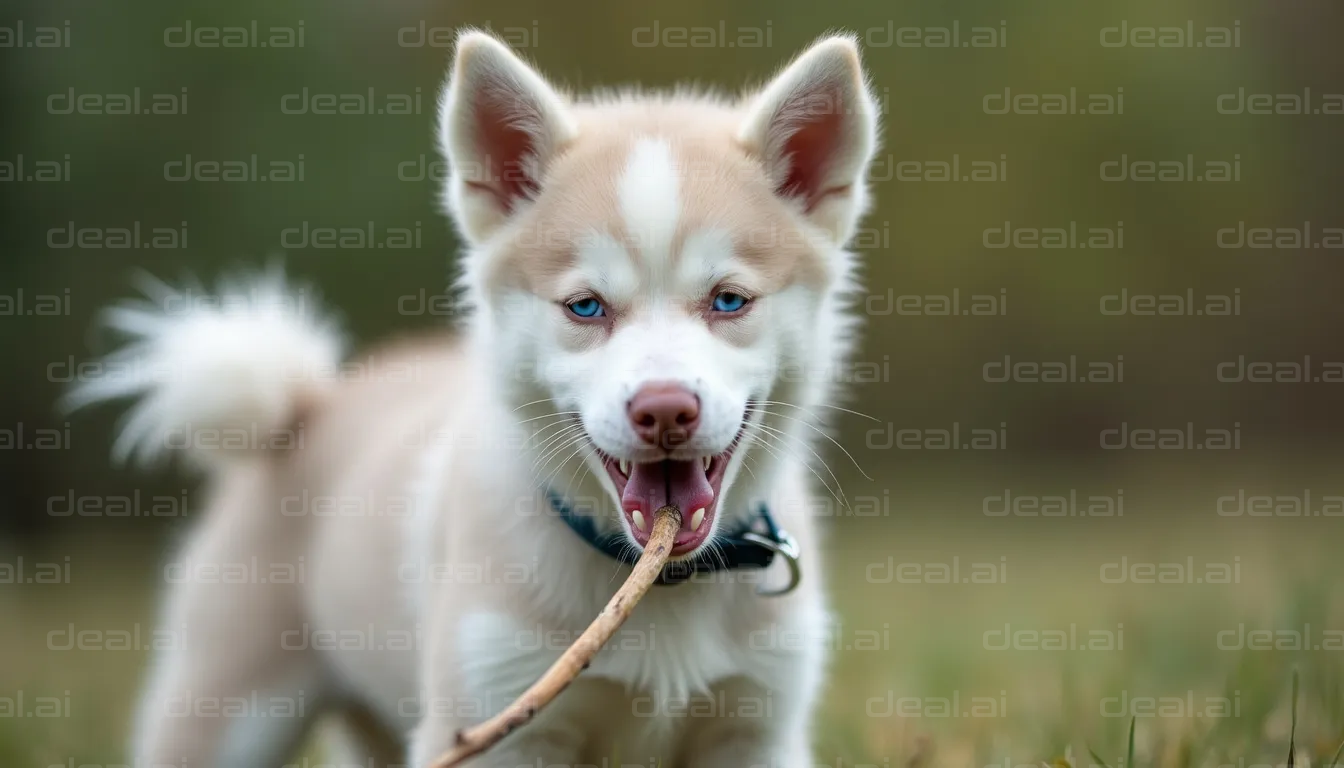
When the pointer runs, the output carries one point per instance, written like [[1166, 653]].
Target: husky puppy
[[657, 289]]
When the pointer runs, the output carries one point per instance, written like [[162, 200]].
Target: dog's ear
[[500, 123], [814, 127]]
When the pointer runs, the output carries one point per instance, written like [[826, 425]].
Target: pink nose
[[664, 414]]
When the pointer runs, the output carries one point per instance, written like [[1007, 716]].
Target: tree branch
[[477, 739]]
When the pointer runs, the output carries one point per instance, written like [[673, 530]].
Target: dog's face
[[657, 270]]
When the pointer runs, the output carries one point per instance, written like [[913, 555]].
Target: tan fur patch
[[722, 187]]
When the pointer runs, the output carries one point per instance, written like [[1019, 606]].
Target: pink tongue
[[680, 483]]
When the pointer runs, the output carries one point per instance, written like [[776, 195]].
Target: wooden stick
[[475, 740]]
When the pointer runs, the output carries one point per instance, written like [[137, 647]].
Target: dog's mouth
[[692, 486]]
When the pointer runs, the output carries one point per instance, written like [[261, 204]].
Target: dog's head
[[659, 271]]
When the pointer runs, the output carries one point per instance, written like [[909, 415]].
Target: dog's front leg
[[556, 737], [478, 664], [524, 747], [759, 726], [745, 749]]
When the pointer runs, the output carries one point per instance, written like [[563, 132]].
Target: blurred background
[[1175, 358]]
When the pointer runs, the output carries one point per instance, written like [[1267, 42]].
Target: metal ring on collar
[[787, 547]]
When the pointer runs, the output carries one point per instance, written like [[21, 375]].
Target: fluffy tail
[[221, 376]]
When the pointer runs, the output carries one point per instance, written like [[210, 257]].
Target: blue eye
[[728, 301], [586, 308]]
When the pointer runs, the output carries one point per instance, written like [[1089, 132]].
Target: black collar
[[754, 545]]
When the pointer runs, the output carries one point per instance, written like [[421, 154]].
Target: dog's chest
[[671, 650]]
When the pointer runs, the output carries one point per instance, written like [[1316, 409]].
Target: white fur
[[607, 265], [220, 375], [650, 196], [511, 411], [706, 258]]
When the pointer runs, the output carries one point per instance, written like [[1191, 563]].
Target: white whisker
[[782, 435], [821, 432], [821, 405], [583, 464], [769, 447], [550, 455], [535, 402], [561, 433], [549, 415], [562, 464]]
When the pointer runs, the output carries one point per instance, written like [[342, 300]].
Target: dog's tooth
[[697, 519], [638, 517], [625, 467], [707, 461]]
